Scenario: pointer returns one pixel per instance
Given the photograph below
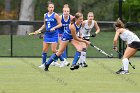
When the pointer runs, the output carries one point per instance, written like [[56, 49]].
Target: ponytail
[[119, 23], [77, 15]]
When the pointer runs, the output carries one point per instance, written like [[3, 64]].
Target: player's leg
[[125, 60], [56, 55], [77, 55], [54, 50], [64, 55], [44, 53], [83, 55]]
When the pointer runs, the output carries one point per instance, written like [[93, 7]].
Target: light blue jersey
[[67, 34], [50, 36]]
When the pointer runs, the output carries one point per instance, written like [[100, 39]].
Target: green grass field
[[32, 46], [22, 75]]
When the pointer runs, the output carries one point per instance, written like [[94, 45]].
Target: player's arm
[[116, 39], [80, 32], [73, 32], [96, 27], [83, 23], [41, 28], [71, 17], [59, 24]]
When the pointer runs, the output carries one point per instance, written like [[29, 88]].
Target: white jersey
[[129, 36], [85, 31]]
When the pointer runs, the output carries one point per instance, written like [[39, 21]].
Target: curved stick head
[[110, 56], [133, 67]]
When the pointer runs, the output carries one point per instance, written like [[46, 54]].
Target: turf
[[22, 75], [28, 46]]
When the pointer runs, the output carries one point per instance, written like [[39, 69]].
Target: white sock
[[125, 63], [80, 59], [83, 55]]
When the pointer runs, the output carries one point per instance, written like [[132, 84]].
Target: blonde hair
[[66, 6], [119, 23], [91, 13]]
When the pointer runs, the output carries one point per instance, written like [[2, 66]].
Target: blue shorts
[[66, 37], [51, 37]]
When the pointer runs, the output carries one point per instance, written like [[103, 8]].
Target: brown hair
[[77, 15], [119, 23]]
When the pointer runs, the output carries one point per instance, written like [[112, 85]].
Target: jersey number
[[65, 28], [49, 25]]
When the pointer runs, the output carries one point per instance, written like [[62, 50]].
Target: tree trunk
[[26, 14]]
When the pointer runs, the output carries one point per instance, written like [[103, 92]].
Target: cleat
[[41, 66], [119, 71], [76, 66], [72, 67], [67, 63], [84, 65], [46, 68], [124, 72], [62, 64], [55, 64], [52, 64], [80, 64]]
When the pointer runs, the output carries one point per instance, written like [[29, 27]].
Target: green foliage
[[102, 9], [130, 10]]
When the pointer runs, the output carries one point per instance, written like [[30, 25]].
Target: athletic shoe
[[74, 67], [62, 64], [46, 68], [52, 64], [55, 64], [119, 71], [41, 66], [66, 62], [124, 72], [84, 65], [80, 64]]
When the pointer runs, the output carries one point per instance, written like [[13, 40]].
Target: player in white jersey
[[86, 31], [132, 41]]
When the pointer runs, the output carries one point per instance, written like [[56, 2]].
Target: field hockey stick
[[33, 33], [89, 36], [133, 66], [101, 51]]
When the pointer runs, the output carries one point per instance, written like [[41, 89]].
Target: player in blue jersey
[[65, 20], [51, 22], [70, 36]]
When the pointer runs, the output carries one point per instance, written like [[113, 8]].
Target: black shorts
[[87, 39], [135, 44]]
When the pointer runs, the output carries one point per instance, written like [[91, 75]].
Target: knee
[[84, 49], [45, 50], [54, 51]]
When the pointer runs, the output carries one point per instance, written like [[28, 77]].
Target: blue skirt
[[51, 37]]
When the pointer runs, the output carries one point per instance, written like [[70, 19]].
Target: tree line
[[104, 10]]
